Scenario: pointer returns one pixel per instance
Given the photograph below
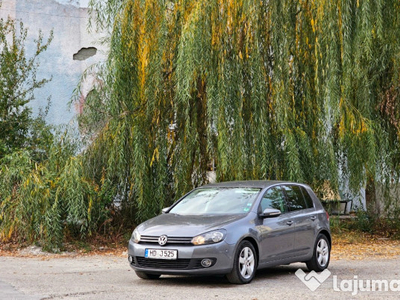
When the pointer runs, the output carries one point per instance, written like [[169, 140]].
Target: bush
[[43, 202]]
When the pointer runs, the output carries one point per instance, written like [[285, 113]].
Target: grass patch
[[365, 224]]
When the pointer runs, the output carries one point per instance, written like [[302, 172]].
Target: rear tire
[[144, 275], [321, 254], [244, 264]]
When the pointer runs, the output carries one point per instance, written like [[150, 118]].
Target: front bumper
[[188, 261]]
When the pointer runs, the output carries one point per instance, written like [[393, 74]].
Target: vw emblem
[[162, 240]]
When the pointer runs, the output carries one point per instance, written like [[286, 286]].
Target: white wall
[[68, 19]]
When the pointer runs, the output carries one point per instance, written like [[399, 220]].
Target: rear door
[[302, 212]]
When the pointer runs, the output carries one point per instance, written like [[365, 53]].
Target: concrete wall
[[68, 19]]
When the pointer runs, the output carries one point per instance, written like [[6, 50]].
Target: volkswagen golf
[[233, 229]]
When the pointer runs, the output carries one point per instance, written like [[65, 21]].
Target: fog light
[[130, 258], [206, 263]]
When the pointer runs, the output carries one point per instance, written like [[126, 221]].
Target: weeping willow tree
[[288, 89]]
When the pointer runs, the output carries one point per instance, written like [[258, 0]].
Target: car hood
[[185, 226]]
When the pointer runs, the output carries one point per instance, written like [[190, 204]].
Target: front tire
[[321, 254], [244, 264], [144, 275]]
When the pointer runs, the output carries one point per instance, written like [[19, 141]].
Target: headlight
[[135, 236], [209, 237]]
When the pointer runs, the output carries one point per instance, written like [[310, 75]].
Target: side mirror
[[270, 213], [165, 210]]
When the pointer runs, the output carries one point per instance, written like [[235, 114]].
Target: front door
[[276, 234]]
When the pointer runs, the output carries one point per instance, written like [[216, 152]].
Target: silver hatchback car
[[233, 229]]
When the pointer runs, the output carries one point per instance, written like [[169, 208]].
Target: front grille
[[148, 239], [178, 264]]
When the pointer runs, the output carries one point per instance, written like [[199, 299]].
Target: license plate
[[161, 254]]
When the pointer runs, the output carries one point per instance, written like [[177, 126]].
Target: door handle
[[290, 223], [313, 218]]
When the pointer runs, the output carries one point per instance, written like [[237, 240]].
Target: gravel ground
[[110, 277]]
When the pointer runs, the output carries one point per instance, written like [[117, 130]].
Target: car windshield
[[217, 201]]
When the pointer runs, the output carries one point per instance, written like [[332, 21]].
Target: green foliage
[[336, 225], [18, 80], [46, 201], [290, 89], [45, 193], [366, 222]]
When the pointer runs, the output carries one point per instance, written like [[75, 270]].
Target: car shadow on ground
[[279, 271], [221, 281]]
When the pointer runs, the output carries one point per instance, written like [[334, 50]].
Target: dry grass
[[355, 245]]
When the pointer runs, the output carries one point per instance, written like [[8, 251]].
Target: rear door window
[[294, 197], [307, 198]]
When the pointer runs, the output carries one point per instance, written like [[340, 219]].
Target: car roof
[[248, 183]]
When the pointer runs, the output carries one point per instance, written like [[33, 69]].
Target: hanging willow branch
[[286, 89]]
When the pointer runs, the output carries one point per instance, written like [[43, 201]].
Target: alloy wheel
[[246, 262], [322, 252]]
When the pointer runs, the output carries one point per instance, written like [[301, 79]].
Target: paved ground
[[110, 277]]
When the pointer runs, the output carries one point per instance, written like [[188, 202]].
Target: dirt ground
[[104, 273]]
